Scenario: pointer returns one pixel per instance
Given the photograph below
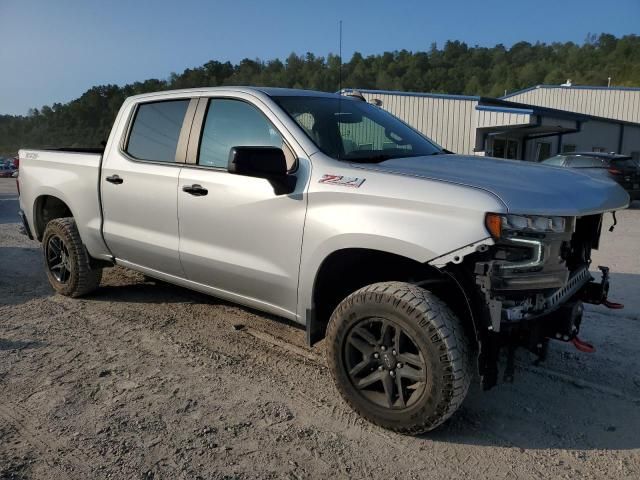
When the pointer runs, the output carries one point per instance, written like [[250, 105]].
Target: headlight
[[498, 223]]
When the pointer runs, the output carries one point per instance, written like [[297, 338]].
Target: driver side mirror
[[262, 162]]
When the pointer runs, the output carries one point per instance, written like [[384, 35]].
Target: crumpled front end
[[530, 285], [536, 265]]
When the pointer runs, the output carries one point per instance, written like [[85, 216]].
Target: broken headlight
[[499, 224]]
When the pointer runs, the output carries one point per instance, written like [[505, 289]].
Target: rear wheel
[[66, 259], [399, 356]]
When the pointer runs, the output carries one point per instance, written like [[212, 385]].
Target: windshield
[[354, 130]]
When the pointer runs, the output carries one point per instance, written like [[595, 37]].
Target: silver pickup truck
[[418, 266]]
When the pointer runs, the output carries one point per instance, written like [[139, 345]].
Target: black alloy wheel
[[67, 261], [384, 363], [399, 356], [58, 262]]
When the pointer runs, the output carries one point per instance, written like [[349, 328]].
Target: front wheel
[[66, 259], [399, 356]]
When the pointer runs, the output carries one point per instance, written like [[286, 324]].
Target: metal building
[[618, 103], [500, 128]]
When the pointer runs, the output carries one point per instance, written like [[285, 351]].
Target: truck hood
[[524, 187]]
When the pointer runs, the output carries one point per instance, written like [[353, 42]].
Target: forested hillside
[[456, 68]]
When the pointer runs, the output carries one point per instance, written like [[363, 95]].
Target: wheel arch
[[47, 207], [345, 270]]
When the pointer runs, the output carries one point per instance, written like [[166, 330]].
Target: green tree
[[454, 68]]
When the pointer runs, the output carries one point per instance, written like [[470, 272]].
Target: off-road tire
[[436, 332], [82, 279]]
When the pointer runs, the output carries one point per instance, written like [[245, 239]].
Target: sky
[[54, 50]]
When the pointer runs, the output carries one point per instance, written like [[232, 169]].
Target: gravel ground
[[146, 380]]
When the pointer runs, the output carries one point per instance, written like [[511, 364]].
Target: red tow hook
[[583, 346], [613, 305]]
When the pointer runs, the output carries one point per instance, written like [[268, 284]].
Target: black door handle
[[195, 190], [114, 179]]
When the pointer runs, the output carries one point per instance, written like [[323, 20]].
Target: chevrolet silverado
[[419, 266]]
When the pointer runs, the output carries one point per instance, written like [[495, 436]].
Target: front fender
[[418, 219]]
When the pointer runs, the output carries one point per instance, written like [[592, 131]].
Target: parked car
[[417, 266], [6, 171], [621, 168]]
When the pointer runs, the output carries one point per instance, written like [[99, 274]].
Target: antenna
[[340, 54]]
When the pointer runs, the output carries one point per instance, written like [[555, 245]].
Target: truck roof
[[269, 91]]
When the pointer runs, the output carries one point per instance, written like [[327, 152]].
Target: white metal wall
[[450, 122], [618, 104], [496, 119]]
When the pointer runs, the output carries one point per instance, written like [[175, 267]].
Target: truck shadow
[[122, 285], [6, 344]]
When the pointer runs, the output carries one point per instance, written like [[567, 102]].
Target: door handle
[[195, 190], [115, 179]]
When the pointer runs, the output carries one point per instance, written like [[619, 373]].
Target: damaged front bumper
[[530, 274], [526, 284], [504, 310]]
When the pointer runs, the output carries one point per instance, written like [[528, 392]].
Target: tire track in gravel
[[23, 421]]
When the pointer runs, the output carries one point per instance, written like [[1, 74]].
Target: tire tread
[[442, 326], [87, 279]]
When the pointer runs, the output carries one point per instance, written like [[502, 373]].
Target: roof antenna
[[340, 54], [339, 78]]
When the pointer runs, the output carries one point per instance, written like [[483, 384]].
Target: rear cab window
[[155, 130]]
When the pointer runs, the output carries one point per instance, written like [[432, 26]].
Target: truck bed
[[70, 175]]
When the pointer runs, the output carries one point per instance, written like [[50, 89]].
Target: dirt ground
[[146, 380]]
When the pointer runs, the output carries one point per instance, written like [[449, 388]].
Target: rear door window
[[156, 129]]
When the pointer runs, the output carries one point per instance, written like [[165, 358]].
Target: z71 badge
[[354, 182]]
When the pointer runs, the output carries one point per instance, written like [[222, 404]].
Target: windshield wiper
[[371, 158], [385, 156]]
